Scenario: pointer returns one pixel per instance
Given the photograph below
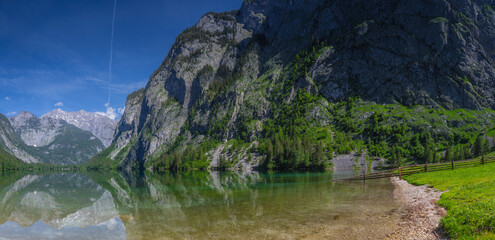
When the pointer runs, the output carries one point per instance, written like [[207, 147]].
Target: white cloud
[[121, 110], [59, 104], [11, 114], [111, 113], [7, 98]]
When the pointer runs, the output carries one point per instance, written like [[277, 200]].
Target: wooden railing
[[412, 169]]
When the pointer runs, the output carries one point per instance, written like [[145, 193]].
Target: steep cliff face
[[224, 77], [11, 146], [101, 126], [49, 140], [437, 53]]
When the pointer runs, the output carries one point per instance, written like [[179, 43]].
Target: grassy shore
[[469, 200]]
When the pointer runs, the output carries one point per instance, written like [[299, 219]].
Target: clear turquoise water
[[196, 205]]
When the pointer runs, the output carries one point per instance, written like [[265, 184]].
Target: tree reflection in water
[[227, 205]]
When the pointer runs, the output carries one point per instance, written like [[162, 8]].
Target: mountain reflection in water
[[193, 205], [63, 204]]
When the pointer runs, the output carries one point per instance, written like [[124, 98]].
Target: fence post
[[426, 167], [364, 177], [452, 164], [400, 173], [483, 159]]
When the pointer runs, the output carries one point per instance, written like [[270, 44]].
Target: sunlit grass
[[470, 200]]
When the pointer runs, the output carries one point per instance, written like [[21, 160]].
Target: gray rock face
[[102, 127], [51, 141], [34, 131], [437, 53], [11, 143], [224, 70]]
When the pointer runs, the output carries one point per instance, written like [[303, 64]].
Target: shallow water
[[196, 205]]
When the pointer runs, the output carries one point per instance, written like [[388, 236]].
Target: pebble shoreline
[[420, 215]]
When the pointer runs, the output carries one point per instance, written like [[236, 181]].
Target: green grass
[[470, 200], [102, 160], [9, 162]]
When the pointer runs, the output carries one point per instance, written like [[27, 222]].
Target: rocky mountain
[[34, 131], [234, 75], [48, 140], [102, 127], [11, 146]]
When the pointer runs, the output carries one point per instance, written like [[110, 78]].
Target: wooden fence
[[412, 169]]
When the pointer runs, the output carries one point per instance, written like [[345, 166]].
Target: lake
[[194, 205]]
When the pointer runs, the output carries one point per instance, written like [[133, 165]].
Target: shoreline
[[420, 215]]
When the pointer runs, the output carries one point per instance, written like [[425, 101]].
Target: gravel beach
[[420, 215]]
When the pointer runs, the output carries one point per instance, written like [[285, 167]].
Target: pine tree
[[287, 149], [478, 146], [462, 153], [278, 149], [269, 150], [486, 146], [299, 153], [177, 161], [222, 163], [448, 154], [200, 154], [318, 153], [435, 156], [398, 158], [290, 150], [467, 153], [428, 155], [330, 152], [458, 154]]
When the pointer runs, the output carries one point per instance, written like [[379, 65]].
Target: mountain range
[[58, 137], [101, 126]]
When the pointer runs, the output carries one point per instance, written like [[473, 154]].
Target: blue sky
[[55, 53]]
